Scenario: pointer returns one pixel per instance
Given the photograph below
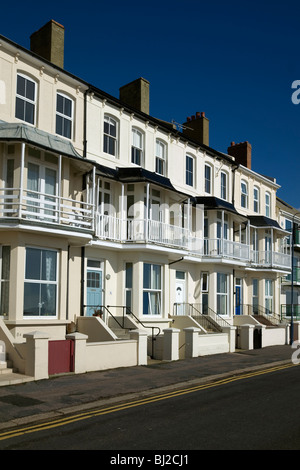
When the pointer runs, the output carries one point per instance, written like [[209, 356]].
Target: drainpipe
[[85, 123], [21, 179], [82, 280], [67, 293]]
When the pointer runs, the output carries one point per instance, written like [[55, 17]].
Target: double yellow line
[[144, 401]]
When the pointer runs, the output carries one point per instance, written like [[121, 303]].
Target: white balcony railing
[[41, 207], [270, 258]]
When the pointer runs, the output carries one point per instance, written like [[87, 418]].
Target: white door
[[180, 292]]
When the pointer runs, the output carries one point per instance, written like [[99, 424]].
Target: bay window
[[4, 279], [152, 289], [40, 286], [222, 294]]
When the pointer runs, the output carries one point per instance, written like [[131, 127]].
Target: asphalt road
[[254, 411]]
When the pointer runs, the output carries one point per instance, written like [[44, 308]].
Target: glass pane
[[4, 297], [21, 86], [5, 263], [31, 299], [20, 106], [128, 281], [33, 177], [147, 274], [59, 125], [60, 104], [29, 113], [156, 277], [50, 181], [48, 265], [33, 264], [30, 87], [68, 107], [48, 299]]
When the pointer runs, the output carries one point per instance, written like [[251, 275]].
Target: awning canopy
[[138, 174], [260, 221], [14, 132]]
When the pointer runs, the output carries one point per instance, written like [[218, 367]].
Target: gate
[[61, 357], [257, 338]]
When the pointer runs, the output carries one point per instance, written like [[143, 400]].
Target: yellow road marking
[[112, 409]]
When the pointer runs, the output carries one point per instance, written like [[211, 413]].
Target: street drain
[[18, 400]]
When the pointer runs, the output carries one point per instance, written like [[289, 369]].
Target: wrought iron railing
[[208, 320]]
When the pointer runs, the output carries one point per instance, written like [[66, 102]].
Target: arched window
[[189, 170], [64, 115], [161, 158], [110, 141], [268, 205], [137, 147], [208, 179], [256, 202], [224, 185], [26, 99], [244, 194]]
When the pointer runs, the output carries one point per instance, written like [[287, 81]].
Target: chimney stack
[[197, 128], [241, 152], [48, 42], [136, 95]]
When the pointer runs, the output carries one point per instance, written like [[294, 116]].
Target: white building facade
[[105, 209]]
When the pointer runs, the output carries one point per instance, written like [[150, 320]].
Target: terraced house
[[123, 236]]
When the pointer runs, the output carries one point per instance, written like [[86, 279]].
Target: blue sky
[[234, 60]]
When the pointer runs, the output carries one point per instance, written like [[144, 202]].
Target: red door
[[61, 357]]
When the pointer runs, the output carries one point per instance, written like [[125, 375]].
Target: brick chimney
[[136, 95], [241, 152], [197, 128], [48, 42]]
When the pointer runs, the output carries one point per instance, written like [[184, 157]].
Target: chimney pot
[[202, 114], [242, 153]]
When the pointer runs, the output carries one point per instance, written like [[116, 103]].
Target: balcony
[[44, 208], [296, 279], [109, 227], [270, 259]]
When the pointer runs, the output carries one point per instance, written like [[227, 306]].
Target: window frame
[[244, 194], [4, 282], [25, 99], [42, 282], [64, 116], [222, 295], [151, 291], [224, 188], [208, 181], [256, 200], [135, 150], [268, 204], [161, 157], [108, 137], [190, 170]]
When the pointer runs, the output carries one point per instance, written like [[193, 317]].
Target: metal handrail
[[259, 310], [129, 312], [211, 319]]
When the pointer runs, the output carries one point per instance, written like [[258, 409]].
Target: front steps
[[9, 377]]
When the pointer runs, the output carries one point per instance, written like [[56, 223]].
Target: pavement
[[63, 395]]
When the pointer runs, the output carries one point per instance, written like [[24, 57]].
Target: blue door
[[237, 300], [93, 292]]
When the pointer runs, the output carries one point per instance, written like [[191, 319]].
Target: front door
[[180, 292], [238, 297], [93, 292]]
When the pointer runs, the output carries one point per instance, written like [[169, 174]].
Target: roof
[[260, 221], [138, 174], [25, 133], [211, 203]]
